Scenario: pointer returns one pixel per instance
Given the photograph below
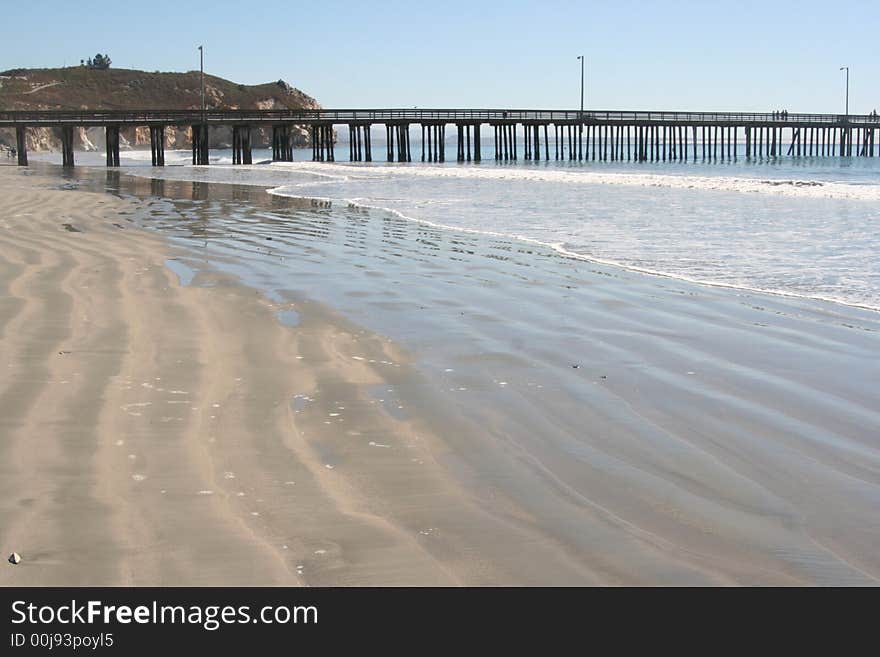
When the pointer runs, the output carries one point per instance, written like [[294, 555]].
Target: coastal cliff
[[81, 87]]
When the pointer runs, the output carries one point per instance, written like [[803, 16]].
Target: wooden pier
[[531, 134]]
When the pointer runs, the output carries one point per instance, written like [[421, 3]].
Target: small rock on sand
[[14, 558]]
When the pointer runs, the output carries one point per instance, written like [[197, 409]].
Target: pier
[[592, 135]]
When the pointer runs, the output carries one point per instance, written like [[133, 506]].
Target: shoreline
[[573, 255], [651, 474], [745, 279], [819, 302]]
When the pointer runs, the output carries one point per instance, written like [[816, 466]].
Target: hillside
[[86, 88]]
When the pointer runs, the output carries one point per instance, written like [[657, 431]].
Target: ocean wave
[[760, 243], [794, 188], [561, 250]]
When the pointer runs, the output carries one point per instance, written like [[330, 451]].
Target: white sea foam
[[801, 188], [796, 228], [743, 283]]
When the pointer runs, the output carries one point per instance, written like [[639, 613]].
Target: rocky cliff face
[[93, 139], [82, 88]]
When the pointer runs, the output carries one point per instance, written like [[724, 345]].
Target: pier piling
[[241, 144], [200, 144], [282, 148], [157, 145], [21, 145], [67, 145], [111, 140]]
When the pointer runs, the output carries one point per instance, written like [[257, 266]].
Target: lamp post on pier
[[846, 68], [202, 78], [848, 132], [581, 57], [580, 135]]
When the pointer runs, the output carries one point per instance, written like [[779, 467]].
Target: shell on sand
[[14, 558]]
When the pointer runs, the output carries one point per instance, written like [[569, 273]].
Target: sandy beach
[[148, 431], [162, 428]]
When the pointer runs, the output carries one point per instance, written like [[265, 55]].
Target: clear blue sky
[[640, 55]]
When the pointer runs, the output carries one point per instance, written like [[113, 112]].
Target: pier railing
[[417, 115]]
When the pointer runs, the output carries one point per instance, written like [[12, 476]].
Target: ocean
[[804, 228]]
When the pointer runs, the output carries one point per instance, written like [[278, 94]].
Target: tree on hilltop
[[99, 61]]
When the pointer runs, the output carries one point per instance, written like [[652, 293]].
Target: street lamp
[[847, 89], [581, 57], [202, 76]]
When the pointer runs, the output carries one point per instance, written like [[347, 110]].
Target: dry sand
[[159, 434]]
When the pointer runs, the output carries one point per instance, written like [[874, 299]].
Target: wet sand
[[415, 417]]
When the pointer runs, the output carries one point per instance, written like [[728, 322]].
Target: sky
[[742, 56]]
